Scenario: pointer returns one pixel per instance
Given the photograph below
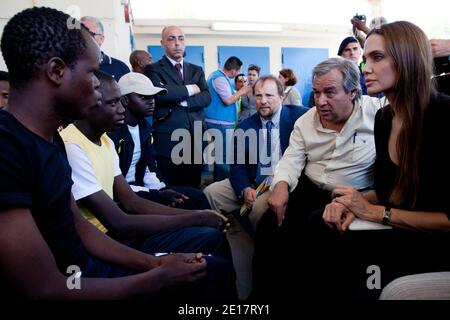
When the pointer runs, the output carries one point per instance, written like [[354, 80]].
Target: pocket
[[363, 149]]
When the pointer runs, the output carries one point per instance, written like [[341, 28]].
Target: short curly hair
[[35, 35]]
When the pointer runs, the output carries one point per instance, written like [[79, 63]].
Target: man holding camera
[[360, 29]]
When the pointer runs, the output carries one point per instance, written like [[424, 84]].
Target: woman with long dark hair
[[411, 172]]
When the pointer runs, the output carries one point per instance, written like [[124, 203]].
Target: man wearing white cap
[[133, 143], [106, 199]]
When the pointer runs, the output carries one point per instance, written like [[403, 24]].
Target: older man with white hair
[[109, 65]]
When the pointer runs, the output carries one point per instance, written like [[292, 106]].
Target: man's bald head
[[172, 40], [167, 29]]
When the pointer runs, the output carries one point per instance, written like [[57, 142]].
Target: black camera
[[360, 17]]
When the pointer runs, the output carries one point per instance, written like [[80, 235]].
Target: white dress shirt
[[330, 157]]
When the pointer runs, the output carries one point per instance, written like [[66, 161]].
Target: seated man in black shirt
[[40, 226]]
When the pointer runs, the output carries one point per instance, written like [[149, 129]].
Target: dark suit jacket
[[244, 175], [124, 146], [113, 67], [169, 115]]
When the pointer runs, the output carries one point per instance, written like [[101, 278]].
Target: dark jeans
[[180, 175], [220, 280], [222, 165], [217, 285], [192, 239], [197, 199]]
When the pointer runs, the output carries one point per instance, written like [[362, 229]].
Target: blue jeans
[[222, 170], [192, 239]]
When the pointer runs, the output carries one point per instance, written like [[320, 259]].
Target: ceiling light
[[240, 26]]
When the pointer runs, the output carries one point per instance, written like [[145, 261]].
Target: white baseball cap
[[139, 83]]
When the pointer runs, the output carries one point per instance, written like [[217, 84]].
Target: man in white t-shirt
[[133, 144]]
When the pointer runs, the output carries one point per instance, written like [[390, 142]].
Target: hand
[[214, 219], [356, 203], [440, 47], [249, 196], [360, 25], [338, 216], [172, 198], [182, 267], [152, 261], [246, 89], [278, 200]]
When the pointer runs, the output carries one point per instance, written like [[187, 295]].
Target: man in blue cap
[[350, 49]]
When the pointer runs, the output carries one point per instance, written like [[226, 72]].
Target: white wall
[[110, 12], [292, 36], [147, 32]]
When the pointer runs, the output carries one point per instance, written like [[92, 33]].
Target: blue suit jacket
[[244, 175]]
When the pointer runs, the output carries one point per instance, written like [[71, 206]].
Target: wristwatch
[[386, 216]]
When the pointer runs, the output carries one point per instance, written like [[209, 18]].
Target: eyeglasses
[[94, 34]]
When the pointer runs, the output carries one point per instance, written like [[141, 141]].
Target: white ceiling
[[430, 15]]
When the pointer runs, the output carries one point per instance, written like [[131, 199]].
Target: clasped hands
[[347, 204]]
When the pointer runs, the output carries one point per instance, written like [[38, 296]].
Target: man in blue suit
[[255, 156], [250, 168], [181, 108]]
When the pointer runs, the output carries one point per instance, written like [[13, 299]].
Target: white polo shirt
[[330, 157]]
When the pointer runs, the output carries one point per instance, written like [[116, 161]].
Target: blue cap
[[344, 43]]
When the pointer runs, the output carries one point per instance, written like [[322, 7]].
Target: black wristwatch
[[386, 216]]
